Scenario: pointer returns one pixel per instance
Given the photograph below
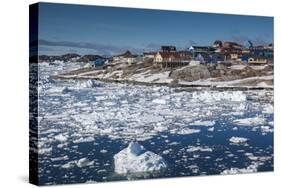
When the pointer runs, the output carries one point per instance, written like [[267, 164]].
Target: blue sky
[[106, 30]]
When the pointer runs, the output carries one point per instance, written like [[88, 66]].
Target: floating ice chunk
[[84, 162], [83, 140], [203, 123], [271, 123], [65, 90], [209, 97], [268, 109], [250, 169], [70, 164], [159, 101], [79, 163], [266, 129], [186, 131], [135, 158], [60, 158], [198, 148], [194, 168], [45, 151], [250, 121], [238, 140], [103, 151], [64, 144], [61, 138], [160, 127], [165, 152], [86, 84], [259, 158]]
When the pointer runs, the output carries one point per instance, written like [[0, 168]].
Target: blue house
[[97, 62], [244, 58], [214, 58], [204, 58]]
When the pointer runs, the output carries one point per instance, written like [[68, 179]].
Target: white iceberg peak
[[136, 159], [135, 148]]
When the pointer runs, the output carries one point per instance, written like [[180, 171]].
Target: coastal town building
[[149, 55], [126, 57], [257, 60], [222, 52], [169, 59], [168, 48]]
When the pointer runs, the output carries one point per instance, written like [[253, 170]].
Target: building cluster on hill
[[227, 53]]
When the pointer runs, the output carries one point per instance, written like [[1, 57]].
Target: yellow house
[[257, 60], [158, 58], [161, 57]]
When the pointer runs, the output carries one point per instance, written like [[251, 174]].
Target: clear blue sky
[[106, 30]]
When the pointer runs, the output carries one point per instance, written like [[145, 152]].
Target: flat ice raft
[[135, 159]]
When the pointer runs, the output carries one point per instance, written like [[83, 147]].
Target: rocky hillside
[[198, 75]]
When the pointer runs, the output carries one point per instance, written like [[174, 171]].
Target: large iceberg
[[135, 159]]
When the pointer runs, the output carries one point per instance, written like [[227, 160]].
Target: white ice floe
[[61, 138], [186, 131], [83, 140], [249, 169], [159, 101], [238, 140], [103, 151], [268, 109], [45, 151], [135, 159], [198, 148], [83, 162], [203, 123], [209, 96], [259, 158], [250, 121], [60, 158], [266, 129], [86, 84]]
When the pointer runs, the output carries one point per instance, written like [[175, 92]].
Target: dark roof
[[149, 53], [127, 54]]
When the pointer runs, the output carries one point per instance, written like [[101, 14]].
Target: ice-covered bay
[[91, 121]]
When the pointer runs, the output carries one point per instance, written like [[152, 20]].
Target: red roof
[[173, 55]]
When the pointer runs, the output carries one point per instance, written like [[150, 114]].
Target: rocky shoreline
[[218, 77]]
